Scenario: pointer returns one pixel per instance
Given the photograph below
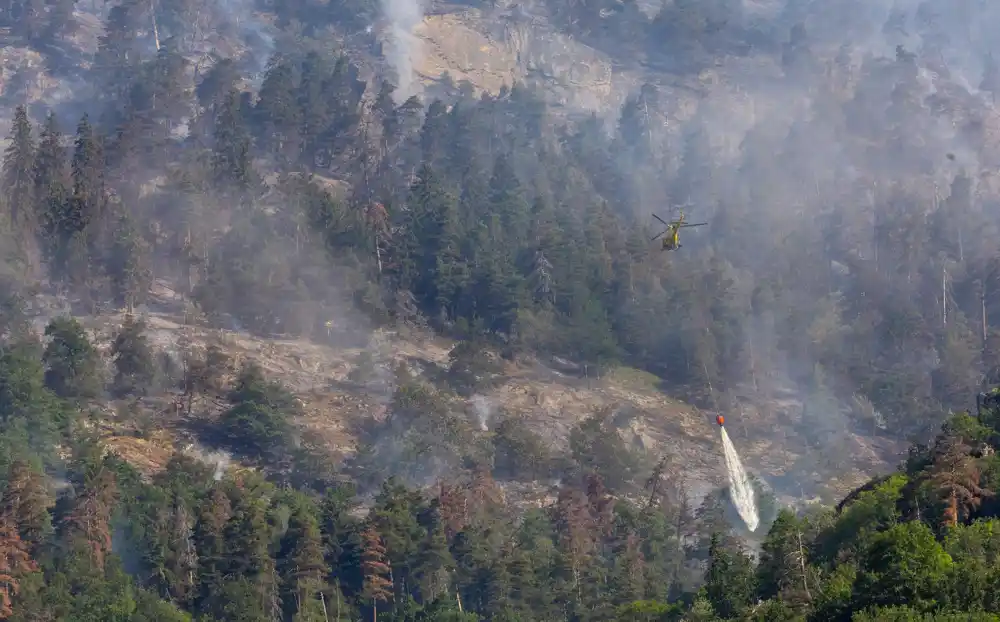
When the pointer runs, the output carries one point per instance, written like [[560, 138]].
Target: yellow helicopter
[[671, 233]]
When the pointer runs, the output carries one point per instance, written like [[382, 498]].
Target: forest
[[84, 536], [852, 253]]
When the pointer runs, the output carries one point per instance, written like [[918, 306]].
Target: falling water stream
[[741, 490]]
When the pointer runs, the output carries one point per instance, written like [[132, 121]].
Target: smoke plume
[[402, 49]]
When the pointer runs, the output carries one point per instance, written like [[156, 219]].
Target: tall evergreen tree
[[231, 159], [50, 179], [70, 360], [128, 265], [18, 178], [133, 358]]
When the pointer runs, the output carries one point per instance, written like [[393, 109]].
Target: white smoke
[[483, 408], [217, 458], [402, 49]]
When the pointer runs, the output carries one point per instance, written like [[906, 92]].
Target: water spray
[[740, 488]]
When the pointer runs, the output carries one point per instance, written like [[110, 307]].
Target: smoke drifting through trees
[[847, 252]]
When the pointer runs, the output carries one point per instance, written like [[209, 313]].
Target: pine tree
[[117, 55], [166, 77], [89, 521], [71, 361], [86, 204], [956, 481], [18, 178], [434, 563], [507, 200], [315, 110], [341, 538], [278, 113], [26, 501], [49, 163], [376, 571], [15, 562], [433, 134], [729, 583], [247, 539], [629, 573], [49, 175], [574, 525], [231, 158], [133, 358], [427, 252], [783, 567], [182, 560], [128, 266], [211, 92], [210, 541], [306, 571]]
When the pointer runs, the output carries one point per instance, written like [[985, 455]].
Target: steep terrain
[[429, 363], [491, 48], [338, 403]]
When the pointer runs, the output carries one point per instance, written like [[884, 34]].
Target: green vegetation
[[493, 220], [920, 544]]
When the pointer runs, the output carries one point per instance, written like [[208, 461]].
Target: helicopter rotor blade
[[659, 235], [694, 224], [661, 220]]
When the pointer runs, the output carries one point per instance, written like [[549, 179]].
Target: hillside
[[337, 403], [368, 304]]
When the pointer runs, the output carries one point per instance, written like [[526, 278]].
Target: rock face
[[491, 51]]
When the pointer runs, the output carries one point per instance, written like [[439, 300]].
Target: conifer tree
[[128, 266], [278, 113], [70, 360], [210, 540], [231, 157], [89, 521], [376, 571], [15, 562], [729, 583], [507, 201], [86, 203], [133, 358], [27, 501], [246, 538], [50, 193], [182, 560], [306, 569], [18, 179], [434, 563]]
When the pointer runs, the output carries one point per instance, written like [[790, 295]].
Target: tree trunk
[[802, 566]]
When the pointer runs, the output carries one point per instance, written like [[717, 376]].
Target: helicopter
[[670, 234]]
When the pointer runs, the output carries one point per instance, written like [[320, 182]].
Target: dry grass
[[551, 403], [148, 456]]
